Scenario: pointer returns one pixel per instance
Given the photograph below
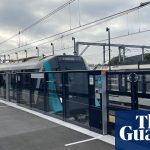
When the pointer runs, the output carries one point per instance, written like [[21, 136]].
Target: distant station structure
[[121, 49]]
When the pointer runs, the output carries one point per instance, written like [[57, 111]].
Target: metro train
[[21, 79]]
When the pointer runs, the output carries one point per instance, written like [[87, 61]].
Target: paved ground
[[23, 131]]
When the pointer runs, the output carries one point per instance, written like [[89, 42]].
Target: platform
[[20, 130]]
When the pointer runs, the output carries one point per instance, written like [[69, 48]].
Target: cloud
[[18, 14]]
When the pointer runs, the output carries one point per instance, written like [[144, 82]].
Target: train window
[[26, 81], [72, 66], [69, 58]]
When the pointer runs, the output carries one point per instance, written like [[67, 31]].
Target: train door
[[13, 87]]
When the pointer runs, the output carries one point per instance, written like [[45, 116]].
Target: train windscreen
[[71, 63]]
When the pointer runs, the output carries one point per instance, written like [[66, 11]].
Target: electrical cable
[[39, 21], [91, 23]]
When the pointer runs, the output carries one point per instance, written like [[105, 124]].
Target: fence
[[86, 98], [127, 91], [73, 96]]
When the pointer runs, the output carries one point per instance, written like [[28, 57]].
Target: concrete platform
[[21, 130]]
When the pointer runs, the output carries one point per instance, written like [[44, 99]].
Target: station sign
[[37, 75], [132, 130], [91, 80]]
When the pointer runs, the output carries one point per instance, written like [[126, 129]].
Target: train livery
[[21, 79]]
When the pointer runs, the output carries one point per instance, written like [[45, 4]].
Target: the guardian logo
[[132, 130], [127, 133]]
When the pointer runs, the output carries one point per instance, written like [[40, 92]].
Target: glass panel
[[147, 80], [13, 87], [144, 104], [120, 102], [77, 106], [54, 95], [98, 91], [38, 91], [24, 88], [116, 103], [113, 82], [119, 82]]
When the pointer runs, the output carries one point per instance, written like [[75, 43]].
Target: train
[[22, 89]]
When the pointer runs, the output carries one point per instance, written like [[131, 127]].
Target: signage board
[[37, 75]]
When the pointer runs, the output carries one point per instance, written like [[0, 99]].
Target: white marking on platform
[[83, 141], [106, 138]]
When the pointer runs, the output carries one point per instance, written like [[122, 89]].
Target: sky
[[16, 15]]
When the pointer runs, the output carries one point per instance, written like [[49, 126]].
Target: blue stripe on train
[[53, 99]]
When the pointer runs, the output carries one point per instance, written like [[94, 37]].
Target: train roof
[[28, 63]]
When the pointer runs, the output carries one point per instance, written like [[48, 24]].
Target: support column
[[119, 54], [26, 53], [53, 51], [4, 58], [104, 104], [76, 53], [38, 53], [7, 86], [124, 51]]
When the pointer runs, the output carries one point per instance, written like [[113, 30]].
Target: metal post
[[26, 53], [16, 56], [104, 103], [37, 51], [119, 54], [142, 53], [19, 40], [123, 54], [4, 58], [7, 86], [53, 50], [74, 42], [108, 30], [65, 94], [134, 95], [77, 48], [104, 55], [45, 92], [9, 58]]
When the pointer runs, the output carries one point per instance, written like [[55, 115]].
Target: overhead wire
[[112, 38], [39, 21], [89, 25]]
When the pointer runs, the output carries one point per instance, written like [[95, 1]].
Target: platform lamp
[[53, 50], [4, 58], [8, 57], [108, 30], [37, 51], [16, 56]]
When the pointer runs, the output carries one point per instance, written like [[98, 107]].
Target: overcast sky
[[15, 15]]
